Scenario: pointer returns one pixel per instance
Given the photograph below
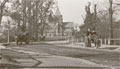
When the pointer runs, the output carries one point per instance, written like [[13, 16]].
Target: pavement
[[33, 59], [81, 45]]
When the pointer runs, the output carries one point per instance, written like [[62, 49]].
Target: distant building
[[68, 28], [116, 30], [4, 24], [54, 22], [56, 27]]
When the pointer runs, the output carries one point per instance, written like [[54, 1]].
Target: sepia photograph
[[59, 34]]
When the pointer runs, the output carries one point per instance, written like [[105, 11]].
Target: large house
[[69, 28], [57, 27]]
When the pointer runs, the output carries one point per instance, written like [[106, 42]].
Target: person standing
[[88, 38]]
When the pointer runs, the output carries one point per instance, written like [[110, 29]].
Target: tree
[[41, 11], [33, 14], [111, 20], [44, 12], [1, 9], [16, 13], [91, 19], [111, 10]]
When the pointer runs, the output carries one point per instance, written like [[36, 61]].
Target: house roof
[[58, 13], [68, 30], [68, 24]]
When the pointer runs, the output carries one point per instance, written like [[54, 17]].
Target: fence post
[[108, 41], [72, 39], [105, 41], [101, 40], [69, 38]]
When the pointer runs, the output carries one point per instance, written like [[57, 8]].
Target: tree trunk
[[18, 26], [42, 29], [1, 15], [24, 15], [111, 21], [36, 33], [36, 22], [1, 9], [29, 21]]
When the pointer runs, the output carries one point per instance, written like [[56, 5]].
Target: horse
[[22, 37]]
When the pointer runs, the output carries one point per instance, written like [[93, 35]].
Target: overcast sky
[[72, 10]]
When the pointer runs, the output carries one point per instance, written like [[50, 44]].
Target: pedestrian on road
[[88, 38]]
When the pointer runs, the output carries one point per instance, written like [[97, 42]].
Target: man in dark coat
[[88, 32]]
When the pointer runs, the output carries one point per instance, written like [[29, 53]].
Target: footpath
[[82, 45], [67, 44]]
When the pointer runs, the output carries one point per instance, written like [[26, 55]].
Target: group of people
[[92, 37]]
